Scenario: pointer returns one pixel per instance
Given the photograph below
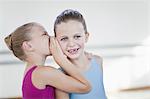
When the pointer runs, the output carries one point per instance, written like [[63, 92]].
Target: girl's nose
[[71, 44]]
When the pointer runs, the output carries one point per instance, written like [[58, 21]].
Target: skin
[[72, 38], [37, 49]]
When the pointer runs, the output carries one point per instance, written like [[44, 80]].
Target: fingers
[[56, 50], [56, 42], [52, 44]]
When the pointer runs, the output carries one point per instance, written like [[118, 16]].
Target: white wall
[[108, 22], [117, 29]]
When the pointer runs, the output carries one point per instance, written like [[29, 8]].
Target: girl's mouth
[[73, 51]]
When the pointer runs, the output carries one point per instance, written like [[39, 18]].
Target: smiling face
[[71, 37]]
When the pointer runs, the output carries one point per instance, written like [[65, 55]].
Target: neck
[[35, 60], [81, 62]]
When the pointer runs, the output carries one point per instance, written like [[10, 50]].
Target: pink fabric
[[29, 91]]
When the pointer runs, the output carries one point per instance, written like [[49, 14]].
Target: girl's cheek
[[63, 46]]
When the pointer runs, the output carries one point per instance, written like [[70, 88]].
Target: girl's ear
[[27, 46], [86, 36]]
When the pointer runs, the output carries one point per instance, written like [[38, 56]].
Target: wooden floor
[[134, 93], [12, 98]]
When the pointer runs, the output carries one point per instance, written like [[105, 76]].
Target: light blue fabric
[[95, 76]]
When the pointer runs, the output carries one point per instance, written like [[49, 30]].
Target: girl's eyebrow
[[77, 34], [63, 36]]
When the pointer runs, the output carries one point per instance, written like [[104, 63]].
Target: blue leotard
[[95, 76]]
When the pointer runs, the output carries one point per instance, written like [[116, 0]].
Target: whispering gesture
[[56, 49], [34, 47]]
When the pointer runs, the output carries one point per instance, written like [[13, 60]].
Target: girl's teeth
[[73, 51]]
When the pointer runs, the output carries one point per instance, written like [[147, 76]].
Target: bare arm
[[46, 75], [62, 61], [59, 94]]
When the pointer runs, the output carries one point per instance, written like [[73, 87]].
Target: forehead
[[69, 27], [37, 30]]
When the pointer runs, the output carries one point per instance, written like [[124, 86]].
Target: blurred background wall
[[119, 32]]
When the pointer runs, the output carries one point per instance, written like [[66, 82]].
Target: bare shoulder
[[99, 60], [44, 70], [42, 74], [38, 78]]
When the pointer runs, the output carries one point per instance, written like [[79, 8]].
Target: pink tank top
[[29, 91]]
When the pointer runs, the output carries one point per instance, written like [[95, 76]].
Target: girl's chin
[[75, 56]]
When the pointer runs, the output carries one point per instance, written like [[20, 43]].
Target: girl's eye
[[45, 33], [77, 36], [64, 39]]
